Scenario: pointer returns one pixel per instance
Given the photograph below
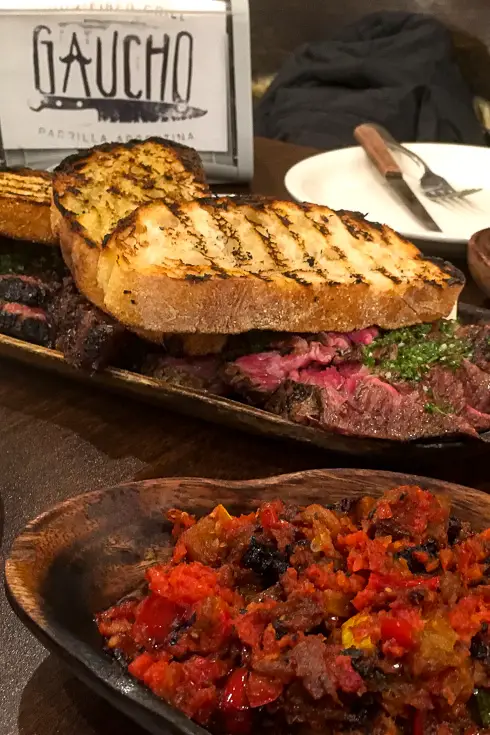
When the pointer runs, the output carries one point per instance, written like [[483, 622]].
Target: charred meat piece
[[300, 612], [199, 373], [89, 339], [25, 322], [297, 402], [28, 290]]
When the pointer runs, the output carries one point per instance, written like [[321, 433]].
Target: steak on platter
[[321, 381], [26, 289], [89, 339], [199, 373], [25, 322]]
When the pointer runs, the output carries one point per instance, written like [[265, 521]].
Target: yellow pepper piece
[[220, 514], [349, 638]]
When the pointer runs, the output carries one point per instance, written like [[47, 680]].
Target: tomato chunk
[[261, 690], [399, 630], [235, 691], [154, 619]]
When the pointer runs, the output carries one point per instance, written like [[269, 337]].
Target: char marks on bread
[[93, 191], [226, 266]]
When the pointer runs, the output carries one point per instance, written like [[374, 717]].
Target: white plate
[[346, 179]]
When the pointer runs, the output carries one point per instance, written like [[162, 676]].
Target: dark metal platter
[[90, 551], [220, 410]]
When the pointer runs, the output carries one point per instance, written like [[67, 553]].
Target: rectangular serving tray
[[217, 409]]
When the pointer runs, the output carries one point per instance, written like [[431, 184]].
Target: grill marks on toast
[[27, 186], [275, 240], [98, 189], [194, 236]]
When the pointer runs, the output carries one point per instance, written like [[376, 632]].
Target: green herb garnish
[[434, 408], [409, 353]]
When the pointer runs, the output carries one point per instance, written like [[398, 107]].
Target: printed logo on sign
[[67, 81], [124, 76]]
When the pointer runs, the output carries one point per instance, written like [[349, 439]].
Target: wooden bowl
[[88, 552], [479, 259]]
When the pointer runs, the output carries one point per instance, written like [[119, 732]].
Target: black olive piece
[[416, 597], [280, 630], [366, 667], [180, 628], [454, 529], [479, 649], [343, 506], [265, 560], [415, 566]]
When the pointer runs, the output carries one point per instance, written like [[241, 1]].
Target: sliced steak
[[464, 392], [28, 290], [89, 339], [479, 336], [202, 373], [256, 376], [365, 406], [476, 385], [321, 381], [25, 322]]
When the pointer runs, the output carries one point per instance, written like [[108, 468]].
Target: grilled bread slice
[[25, 198], [226, 266], [94, 190]]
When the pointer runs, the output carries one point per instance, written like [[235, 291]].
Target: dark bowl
[[88, 552], [479, 259]]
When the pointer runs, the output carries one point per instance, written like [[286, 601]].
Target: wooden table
[[59, 438]]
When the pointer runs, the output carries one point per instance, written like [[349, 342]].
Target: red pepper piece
[[269, 514], [381, 581], [261, 690], [235, 692], [140, 665], [398, 630], [235, 705], [154, 619]]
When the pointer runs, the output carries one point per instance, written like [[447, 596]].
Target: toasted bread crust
[[25, 197], [174, 269], [92, 191]]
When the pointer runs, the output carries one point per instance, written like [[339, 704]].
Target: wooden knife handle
[[377, 150]]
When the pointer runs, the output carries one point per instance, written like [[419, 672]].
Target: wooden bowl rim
[[143, 706]]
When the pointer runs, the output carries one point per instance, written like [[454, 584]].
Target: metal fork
[[434, 187]]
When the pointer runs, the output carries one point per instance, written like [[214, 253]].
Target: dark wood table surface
[[59, 438]]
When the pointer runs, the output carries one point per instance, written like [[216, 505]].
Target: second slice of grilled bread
[[25, 199], [226, 266], [94, 190]]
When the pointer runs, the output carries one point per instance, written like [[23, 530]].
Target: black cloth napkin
[[396, 69]]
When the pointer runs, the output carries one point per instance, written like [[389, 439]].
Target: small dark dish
[[90, 551], [479, 259]]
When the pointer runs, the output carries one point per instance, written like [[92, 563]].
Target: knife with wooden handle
[[378, 152]]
